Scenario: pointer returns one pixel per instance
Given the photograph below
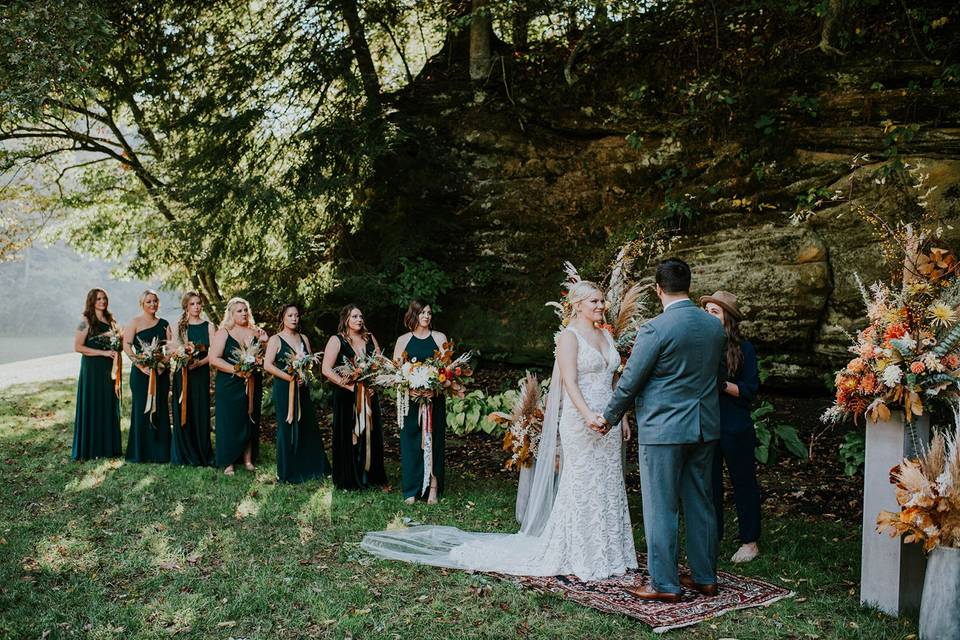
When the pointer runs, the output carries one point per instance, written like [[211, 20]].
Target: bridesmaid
[[191, 412], [237, 424], [300, 454], [420, 344], [350, 450], [96, 428], [149, 438]]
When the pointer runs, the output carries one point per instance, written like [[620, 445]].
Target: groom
[[673, 375]]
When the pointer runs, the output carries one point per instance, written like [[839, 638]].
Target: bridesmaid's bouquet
[[524, 424], [151, 355], [439, 375], [185, 354], [361, 367], [248, 359], [111, 340], [300, 365]]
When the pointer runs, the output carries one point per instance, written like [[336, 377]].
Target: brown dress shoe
[[647, 592], [709, 590]]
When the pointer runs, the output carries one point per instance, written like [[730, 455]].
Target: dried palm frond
[[619, 278], [529, 400], [631, 308], [935, 459], [572, 275]]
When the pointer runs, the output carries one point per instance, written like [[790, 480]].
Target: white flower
[[420, 378], [892, 375], [249, 359], [909, 343], [932, 363]]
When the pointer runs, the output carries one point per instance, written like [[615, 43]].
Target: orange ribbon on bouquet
[[363, 419], [117, 375], [251, 391], [183, 398]]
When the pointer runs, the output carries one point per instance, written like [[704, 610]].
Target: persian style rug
[[609, 596]]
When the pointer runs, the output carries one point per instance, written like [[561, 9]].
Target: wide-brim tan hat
[[725, 300]]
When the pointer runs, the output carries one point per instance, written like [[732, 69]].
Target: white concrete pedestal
[[891, 574]]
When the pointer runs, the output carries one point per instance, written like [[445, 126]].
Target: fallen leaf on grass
[[169, 566], [227, 624], [193, 558]]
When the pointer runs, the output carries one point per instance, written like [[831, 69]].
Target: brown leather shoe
[[708, 590], [646, 592]]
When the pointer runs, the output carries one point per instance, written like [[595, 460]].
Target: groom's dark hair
[[673, 276]]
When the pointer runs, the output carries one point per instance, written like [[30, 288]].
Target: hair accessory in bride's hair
[[563, 308]]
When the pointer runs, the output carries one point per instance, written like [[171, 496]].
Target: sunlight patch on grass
[[179, 613], [95, 477], [155, 542], [177, 513], [317, 510], [60, 553], [145, 482], [106, 632], [250, 505]]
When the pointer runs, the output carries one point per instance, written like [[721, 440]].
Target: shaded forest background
[[334, 151]]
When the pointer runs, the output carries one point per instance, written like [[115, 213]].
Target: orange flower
[[917, 367], [952, 361], [894, 331], [856, 365], [868, 384]]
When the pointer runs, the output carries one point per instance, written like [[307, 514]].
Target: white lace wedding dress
[[587, 531]]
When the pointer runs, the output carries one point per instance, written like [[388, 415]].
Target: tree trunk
[[519, 27], [830, 20], [361, 52], [481, 31]]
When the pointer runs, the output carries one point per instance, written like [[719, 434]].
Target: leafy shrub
[[853, 452], [772, 438]]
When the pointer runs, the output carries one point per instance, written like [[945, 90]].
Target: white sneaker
[[745, 553]]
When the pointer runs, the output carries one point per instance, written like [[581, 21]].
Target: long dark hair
[[90, 309], [731, 327], [344, 325], [412, 317]]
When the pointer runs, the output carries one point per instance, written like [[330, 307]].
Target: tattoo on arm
[[83, 326]]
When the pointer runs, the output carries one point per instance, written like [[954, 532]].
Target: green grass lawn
[[105, 549]]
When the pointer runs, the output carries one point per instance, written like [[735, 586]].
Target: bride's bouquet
[[524, 424]]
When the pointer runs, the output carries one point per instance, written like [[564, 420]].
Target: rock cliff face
[[501, 192]]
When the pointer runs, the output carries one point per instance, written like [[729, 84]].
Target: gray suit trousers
[[669, 472]]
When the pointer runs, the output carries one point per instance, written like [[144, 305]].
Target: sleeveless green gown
[[300, 454], [349, 459], [191, 442], [411, 454], [234, 428], [149, 438], [96, 427]]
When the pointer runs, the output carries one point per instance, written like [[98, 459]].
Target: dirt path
[[65, 365]]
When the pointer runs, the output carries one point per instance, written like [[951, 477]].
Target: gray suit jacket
[[673, 375]]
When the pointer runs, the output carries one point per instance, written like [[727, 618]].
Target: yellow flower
[[940, 315]]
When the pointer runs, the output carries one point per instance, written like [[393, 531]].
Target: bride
[[575, 519]]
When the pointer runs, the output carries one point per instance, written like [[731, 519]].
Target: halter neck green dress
[[96, 426], [191, 441], [411, 453], [300, 454], [234, 427], [149, 438]]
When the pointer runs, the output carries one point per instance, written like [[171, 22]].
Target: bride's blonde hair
[[580, 291]]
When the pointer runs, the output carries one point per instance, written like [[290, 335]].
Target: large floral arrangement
[[248, 359], [928, 492], [909, 354], [524, 424], [422, 380]]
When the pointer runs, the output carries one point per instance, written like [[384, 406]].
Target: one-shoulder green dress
[[96, 426], [149, 438], [234, 426], [300, 453], [191, 441]]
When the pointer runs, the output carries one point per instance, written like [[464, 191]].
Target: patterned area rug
[[736, 592]]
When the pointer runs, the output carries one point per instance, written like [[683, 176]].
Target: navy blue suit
[[737, 444]]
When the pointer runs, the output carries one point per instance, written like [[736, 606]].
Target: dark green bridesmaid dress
[[191, 441], [300, 454], [411, 453], [149, 438], [234, 427], [349, 459], [96, 427]]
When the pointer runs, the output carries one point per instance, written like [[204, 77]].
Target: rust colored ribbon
[[363, 419], [183, 398], [293, 410], [151, 406], [117, 375], [425, 419]]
